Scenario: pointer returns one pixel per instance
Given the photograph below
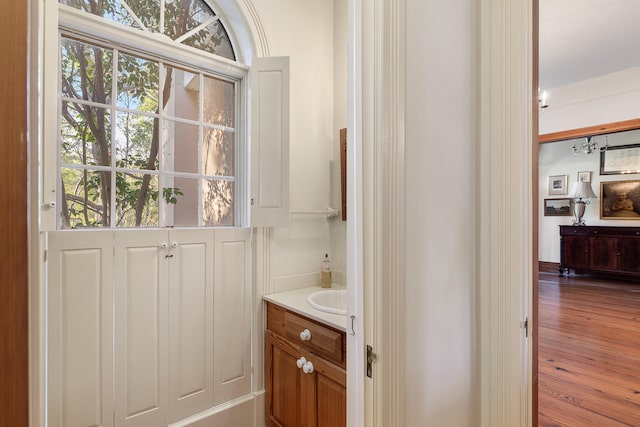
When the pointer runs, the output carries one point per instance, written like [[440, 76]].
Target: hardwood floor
[[589, 352]]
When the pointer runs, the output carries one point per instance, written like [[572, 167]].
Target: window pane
[[147, 11], [134, 139], [136, 200], [180, 147], [217, 203], [137, 83], [213, 39], [86, 198], [182, 16], [218, 152], [180, 199], [86, 71], [183, 88], [85, 135], [219, 102]]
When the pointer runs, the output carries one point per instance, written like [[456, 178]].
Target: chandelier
[[590, 145]]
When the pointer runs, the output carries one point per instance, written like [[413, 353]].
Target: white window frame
[[61, 18]]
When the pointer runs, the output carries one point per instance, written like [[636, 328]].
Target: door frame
[[14, 218], [499, 127], [506, 248], [507, 102], [375, 226]]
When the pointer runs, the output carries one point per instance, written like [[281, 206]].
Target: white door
[[232, 307], [191, 266], [80, 333], [141, 327]]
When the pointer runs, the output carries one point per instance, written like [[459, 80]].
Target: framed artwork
[[584, 176], [557, 207], [619, 160], [558, 185], [620, 200]]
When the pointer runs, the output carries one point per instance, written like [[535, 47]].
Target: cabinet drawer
[[275, 318], [323, 340]]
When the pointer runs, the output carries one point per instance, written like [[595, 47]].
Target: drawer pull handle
[[305, 365], [300, 362], [305, 335], [307, 368]]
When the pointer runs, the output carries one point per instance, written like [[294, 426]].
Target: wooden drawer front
[[324, 341], [572, 230], [275, 318]]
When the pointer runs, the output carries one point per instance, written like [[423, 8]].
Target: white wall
[[338, 228], [602, 100], [308, 32], [440, 218], [605, 99]]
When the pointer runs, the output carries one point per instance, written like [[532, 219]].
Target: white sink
[[330, 301]]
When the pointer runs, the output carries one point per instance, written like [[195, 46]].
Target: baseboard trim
[[237, 412], [548, 267]]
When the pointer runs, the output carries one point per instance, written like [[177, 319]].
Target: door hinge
[[371, 357], [526, 327]]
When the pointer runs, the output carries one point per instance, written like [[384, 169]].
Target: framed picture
[[558, 185], [584, 176], [620, 200], [619, 160], [557, 207]]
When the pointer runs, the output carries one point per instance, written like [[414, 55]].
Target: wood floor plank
[[588, 352]]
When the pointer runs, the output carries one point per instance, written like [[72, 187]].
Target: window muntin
[[191, 22], [172, 165]]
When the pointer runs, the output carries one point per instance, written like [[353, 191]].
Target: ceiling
[[582, 39]]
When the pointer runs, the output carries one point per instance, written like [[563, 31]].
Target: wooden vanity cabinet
[[603, 250], [295, 398]]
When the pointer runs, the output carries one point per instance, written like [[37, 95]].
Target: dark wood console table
[[613, 251]]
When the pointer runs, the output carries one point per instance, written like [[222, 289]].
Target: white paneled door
[[191, 265], [141, 328], [164, 325], [232, 321], [147, 328], [80, 333]]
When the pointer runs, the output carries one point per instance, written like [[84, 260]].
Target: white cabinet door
[[270, 142], [80, 330], [158, 320], [232, 319], [190, 322], [141, 328]]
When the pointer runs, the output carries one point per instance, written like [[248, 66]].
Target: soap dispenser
[[326, 272]]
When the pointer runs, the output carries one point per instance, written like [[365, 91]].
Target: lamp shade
[[582, 190]]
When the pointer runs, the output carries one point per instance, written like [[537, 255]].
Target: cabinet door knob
[[301, 362], [307, 368], [305, 335]]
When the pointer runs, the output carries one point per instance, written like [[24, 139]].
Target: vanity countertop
[[296, 301]]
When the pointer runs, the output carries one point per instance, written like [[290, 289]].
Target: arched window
[[191, 22], [148, 126]]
